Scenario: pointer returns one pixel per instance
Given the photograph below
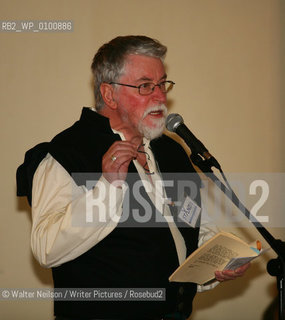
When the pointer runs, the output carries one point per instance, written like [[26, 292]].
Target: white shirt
[[57, 201]]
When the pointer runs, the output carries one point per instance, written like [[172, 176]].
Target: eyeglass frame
[[154, 85]]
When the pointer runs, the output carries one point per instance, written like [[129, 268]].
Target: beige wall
[[225, 57]]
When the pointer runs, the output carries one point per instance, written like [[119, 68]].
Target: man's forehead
[[143, 67]]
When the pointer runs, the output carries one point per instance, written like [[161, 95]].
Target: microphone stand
[[275, 267]]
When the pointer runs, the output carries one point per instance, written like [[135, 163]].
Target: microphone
[[175, 123]]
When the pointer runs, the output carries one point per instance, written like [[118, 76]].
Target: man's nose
[[158, 94]]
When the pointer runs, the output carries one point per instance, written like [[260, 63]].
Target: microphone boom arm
[[201, 157]]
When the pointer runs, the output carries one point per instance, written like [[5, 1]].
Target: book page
[[213, 255]]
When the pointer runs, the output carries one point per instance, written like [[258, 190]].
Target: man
[[121, 142]]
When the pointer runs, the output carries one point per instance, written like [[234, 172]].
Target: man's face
[[143, 114]]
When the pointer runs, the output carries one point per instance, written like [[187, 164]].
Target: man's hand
[[231, 274], [117, 159]]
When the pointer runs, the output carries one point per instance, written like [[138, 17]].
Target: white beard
[[159, 124]]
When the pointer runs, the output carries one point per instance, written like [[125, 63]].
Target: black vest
[[132, 255]]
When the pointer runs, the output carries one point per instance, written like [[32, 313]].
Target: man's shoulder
[[170, 155], [68, 135], [90, 128], [166, 142]]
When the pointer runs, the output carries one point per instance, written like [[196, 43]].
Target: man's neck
[[116, 123]]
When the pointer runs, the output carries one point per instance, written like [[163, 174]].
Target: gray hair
[[109, 61]]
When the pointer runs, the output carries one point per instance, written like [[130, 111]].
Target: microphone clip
[[204, 162]]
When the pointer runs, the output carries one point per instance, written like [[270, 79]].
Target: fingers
[[242, 269], [231, 274], [119, 153], [225, 275], [116, 160]]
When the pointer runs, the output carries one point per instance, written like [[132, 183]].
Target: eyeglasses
[[146, 170], [148, 87]]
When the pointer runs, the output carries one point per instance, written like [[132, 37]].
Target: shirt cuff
[[202, 288]]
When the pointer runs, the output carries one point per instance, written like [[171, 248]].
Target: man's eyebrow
[[150, 80], [163, 77]]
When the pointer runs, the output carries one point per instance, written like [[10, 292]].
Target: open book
[[221, 252]]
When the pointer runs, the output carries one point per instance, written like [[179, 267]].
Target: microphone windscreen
[[173, 120]]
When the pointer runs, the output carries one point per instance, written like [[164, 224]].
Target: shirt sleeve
[[67, 219]]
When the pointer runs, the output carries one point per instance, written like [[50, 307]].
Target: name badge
[[189, 212]]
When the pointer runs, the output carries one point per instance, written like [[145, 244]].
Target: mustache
[[160, 107]]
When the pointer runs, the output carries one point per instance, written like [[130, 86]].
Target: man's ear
[[107, 92]]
